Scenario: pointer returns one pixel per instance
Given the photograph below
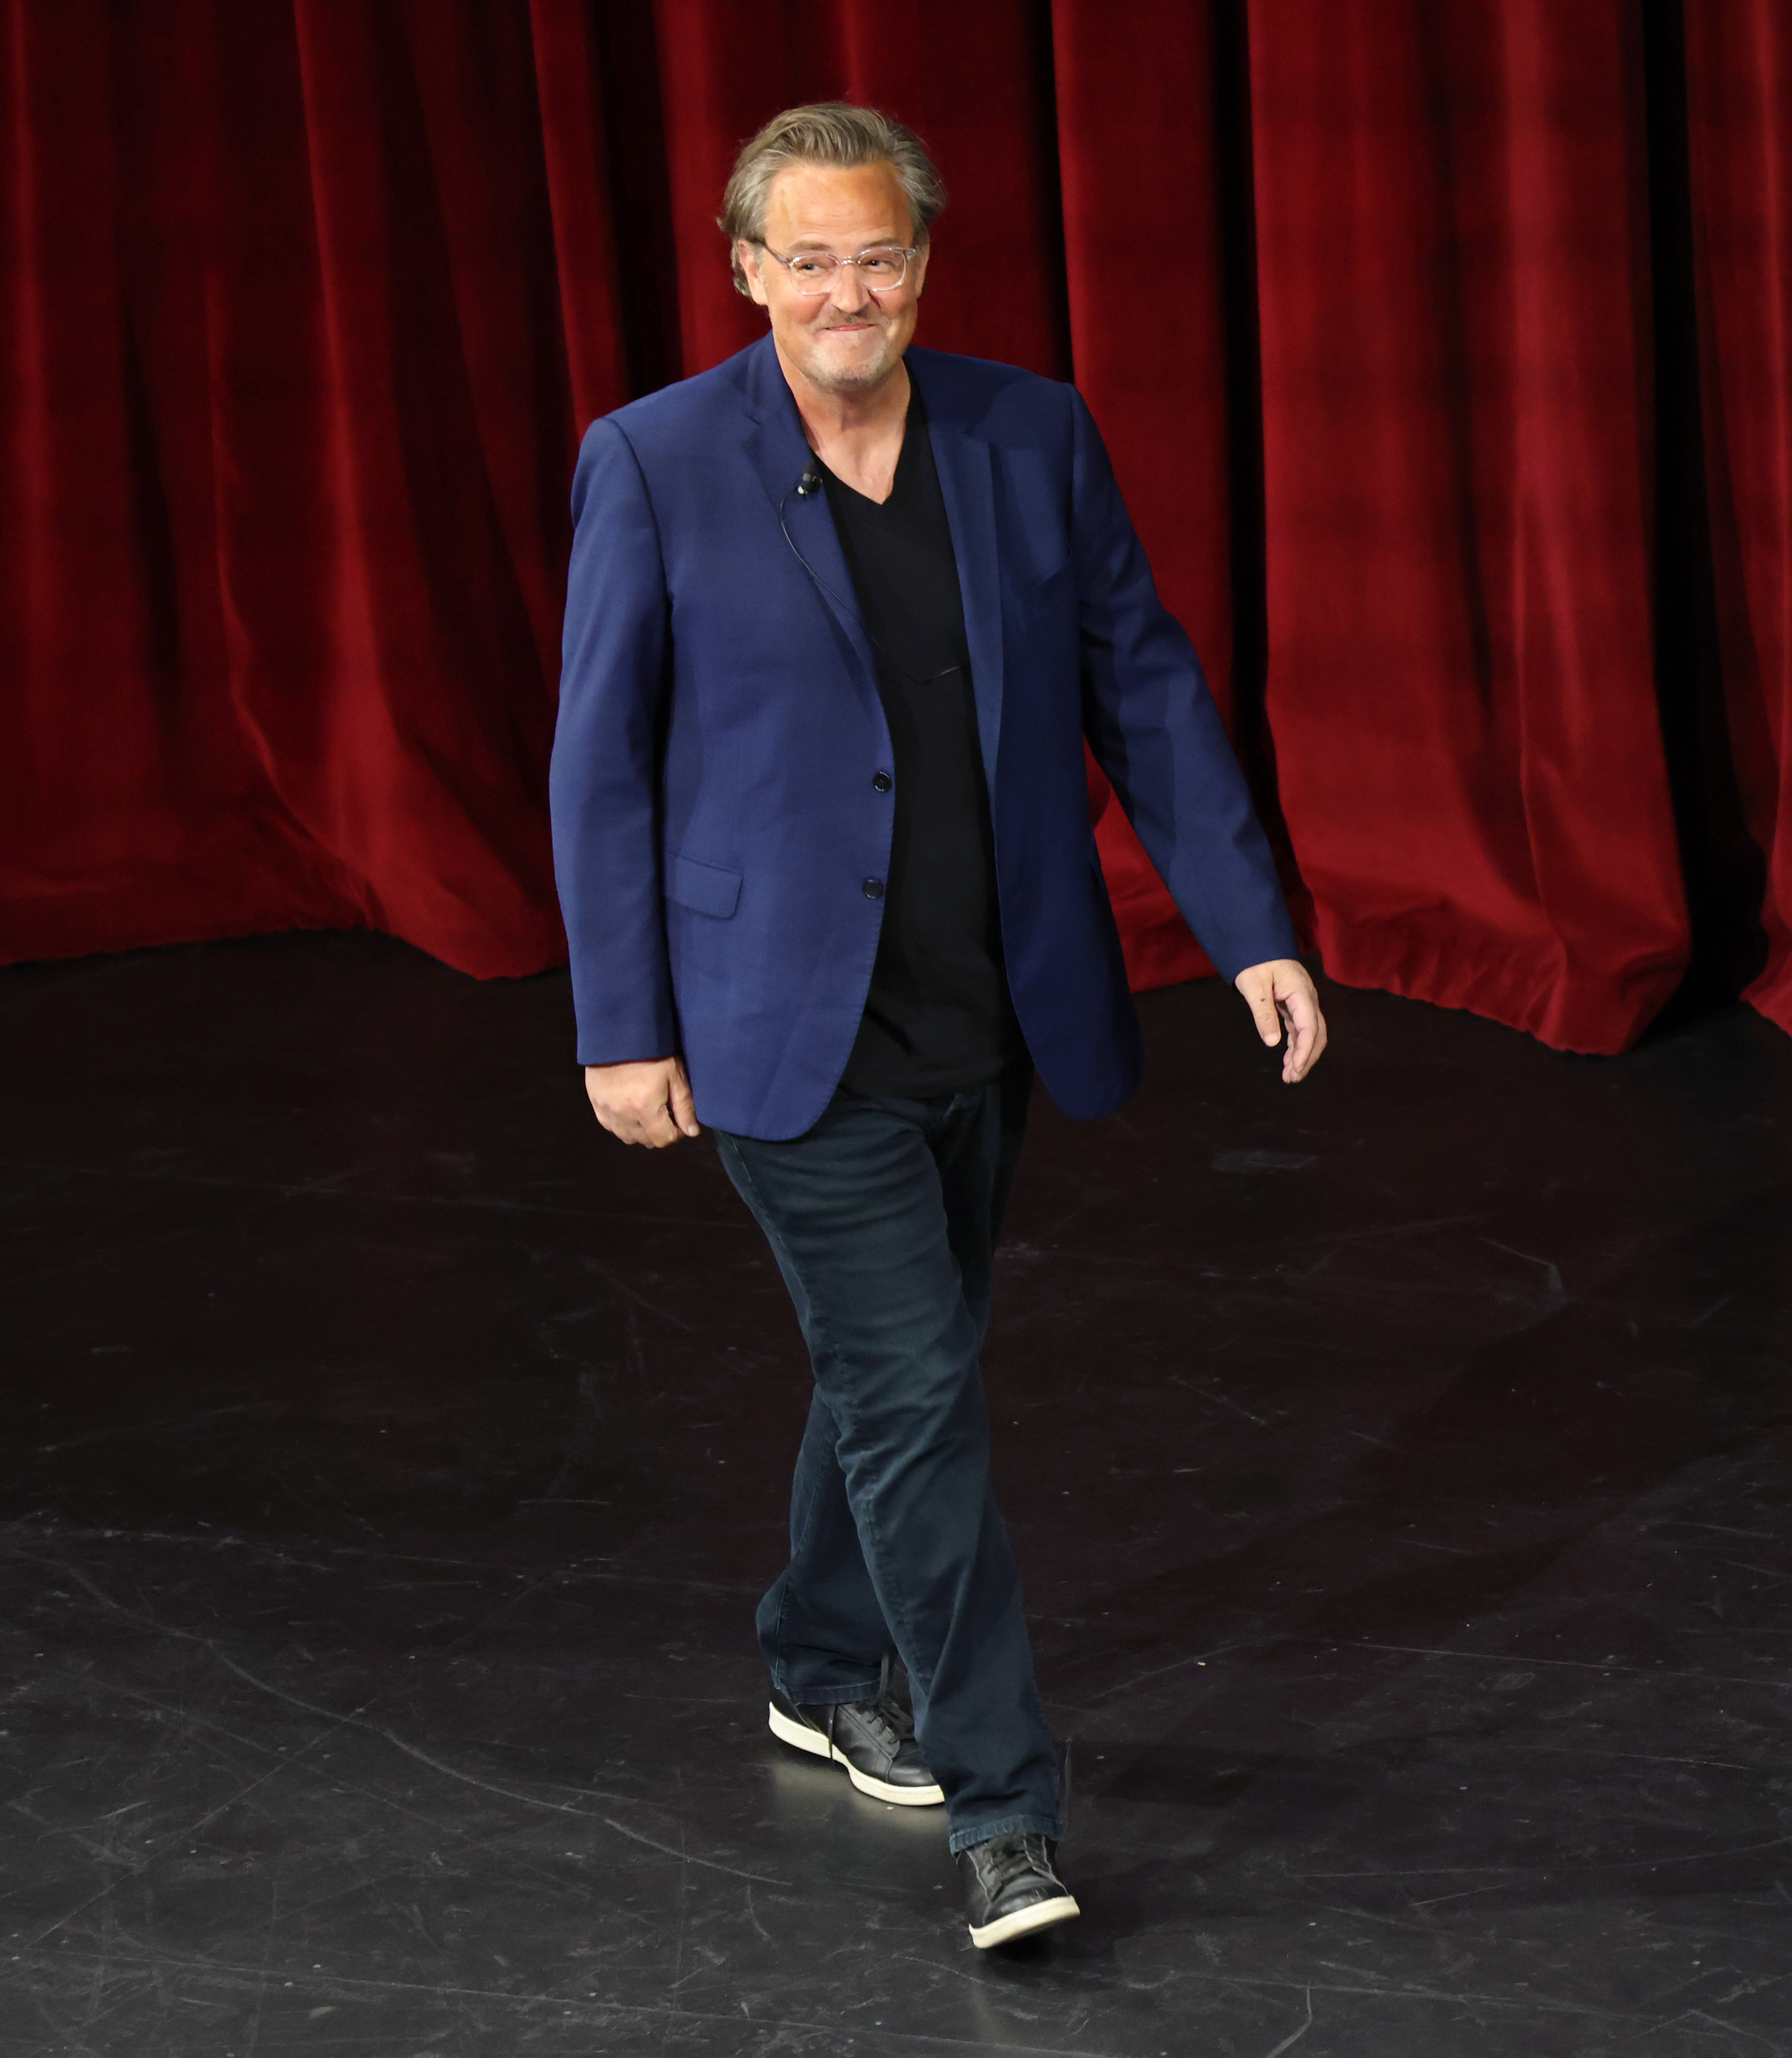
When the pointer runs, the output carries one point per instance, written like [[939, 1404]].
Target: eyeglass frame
[[910, 251]]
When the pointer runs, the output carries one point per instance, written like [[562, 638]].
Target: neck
[[856, 416]]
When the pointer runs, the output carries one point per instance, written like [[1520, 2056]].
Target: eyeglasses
[[814, 272]]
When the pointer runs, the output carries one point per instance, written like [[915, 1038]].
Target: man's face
[[851, 339]]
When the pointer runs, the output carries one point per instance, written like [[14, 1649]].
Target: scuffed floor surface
[[1399, 1465]]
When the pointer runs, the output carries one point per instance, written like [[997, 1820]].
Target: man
[[840, 617]]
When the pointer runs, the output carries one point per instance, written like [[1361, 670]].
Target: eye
[[807, 270], [879, 267]]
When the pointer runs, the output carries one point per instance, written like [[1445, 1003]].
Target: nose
[[850, 294]]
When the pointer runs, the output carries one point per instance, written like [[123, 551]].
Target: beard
[[866, 368]]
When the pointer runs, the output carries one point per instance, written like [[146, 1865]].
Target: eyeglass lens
[[814, 271]]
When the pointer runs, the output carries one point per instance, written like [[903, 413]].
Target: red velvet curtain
[[307, 300], [1454, 299], [1739, 95]]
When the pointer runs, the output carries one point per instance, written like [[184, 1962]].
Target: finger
[[1306, 1033], [684, 1108], [1263, 1011], [656, 1127], [652, 1132], [1316, 1033], [630, 1124], [1320, 1039]]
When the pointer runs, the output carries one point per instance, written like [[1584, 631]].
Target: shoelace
[[1005, 1858], [887, 1714], [893, 1720]]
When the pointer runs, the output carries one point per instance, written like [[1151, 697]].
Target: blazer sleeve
[[1156, 732], [603, 778]]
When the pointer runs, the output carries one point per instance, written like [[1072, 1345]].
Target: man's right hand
[[649, 1102]]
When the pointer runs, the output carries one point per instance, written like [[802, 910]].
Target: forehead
[[827, 203]]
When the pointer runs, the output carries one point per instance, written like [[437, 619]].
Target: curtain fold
[[1739, 98], [1454, 300], [132, 808], [1156, 240], [307, 304]]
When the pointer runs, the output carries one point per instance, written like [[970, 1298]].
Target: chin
[[833, 376]]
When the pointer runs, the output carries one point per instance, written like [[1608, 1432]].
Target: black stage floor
[[1398, 1464]]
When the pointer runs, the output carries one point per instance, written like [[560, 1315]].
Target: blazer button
[[874, 889], [882, 782]]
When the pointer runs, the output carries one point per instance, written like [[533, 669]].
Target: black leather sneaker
[[1011, 1889], [874, 1740]]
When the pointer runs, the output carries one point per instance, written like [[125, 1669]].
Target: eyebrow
[[871, 243]]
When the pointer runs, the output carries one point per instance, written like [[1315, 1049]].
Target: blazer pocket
[[706, 889], [1036, 590], [1043, 601]]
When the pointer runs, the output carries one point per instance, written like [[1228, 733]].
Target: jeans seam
[[835, 1697], [1009, 1825], [782, 1251], [779, 1673]]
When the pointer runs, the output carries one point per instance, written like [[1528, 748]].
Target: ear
[[748, 253], [920, 271]]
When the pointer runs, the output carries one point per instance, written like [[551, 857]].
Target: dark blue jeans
[[883, 1218]]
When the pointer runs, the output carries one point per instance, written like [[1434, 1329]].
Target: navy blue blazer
[[718, 840]]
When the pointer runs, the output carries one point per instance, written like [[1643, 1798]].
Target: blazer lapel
[[965, 463], [779, 450]]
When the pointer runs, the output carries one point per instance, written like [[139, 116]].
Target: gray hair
[[833, 132]]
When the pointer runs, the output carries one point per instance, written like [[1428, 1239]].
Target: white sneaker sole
[[818, 1745], [1042, 1915]]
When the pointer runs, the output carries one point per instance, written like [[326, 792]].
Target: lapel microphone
[[811, 480]]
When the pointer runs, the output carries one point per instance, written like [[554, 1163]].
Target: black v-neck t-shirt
[[937, 1019]]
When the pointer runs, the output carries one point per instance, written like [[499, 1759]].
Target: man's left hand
[[1281, 992]]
